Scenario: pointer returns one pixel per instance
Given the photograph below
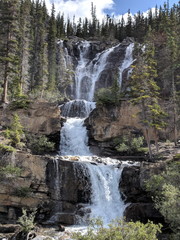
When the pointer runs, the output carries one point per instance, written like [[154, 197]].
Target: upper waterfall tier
[[88, 72], [86, 66], [77, 108]]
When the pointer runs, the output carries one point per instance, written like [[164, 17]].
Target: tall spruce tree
[[51, 85], [145, 92], [9, 59], [38, 47], [24, 41]]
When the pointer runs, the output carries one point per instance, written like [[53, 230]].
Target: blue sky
[[81, 8], [122, 6]]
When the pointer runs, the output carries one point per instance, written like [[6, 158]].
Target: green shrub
[[177, 156], [21, 101], [11, 170], [40, 144], [15, 132], [27, 220], [130, 145], [165, 191], [5, 148], [23, 192], [111, 95], [120, 230]]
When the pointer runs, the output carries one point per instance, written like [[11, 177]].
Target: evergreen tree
[[129, 27], [51, 85], [38, 47], [9, 59], [145, 92], [60, 24], [25, 23]]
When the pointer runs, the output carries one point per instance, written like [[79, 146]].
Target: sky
[[81, 8]]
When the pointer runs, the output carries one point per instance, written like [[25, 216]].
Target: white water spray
[[128, 60]]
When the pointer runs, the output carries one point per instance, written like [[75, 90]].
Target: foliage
[[28, 44], [177, 156], [5, 148], [130, 145], [9, 171], [23, 192], [15, 132], [40, 144], [165, 192], [109, 95], [21, 101], [145, 91], [120, 230], [27, 220]]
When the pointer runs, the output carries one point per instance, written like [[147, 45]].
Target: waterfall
[[128, 60], [106, 201], [104, 178], [88, 72]]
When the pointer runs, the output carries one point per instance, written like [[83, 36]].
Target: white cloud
[[80, 8]]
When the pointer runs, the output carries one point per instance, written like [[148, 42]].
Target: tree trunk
[[174, 109], [148, 143], [156, 140], [5, 87], [6, 68]]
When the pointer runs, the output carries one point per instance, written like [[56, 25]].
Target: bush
[[40, 144], [15, 132], [21, 101], [11, 170], [23, 192], [5, 148], [27, 220], [165, 191], [130, 145], [119, 230], [109, 95]]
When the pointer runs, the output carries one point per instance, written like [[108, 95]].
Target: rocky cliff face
[[56, 188], [59, 189], [133, 186], [27, 190], [39, 117], [108, 123]]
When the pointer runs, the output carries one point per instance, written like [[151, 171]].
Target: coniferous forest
[[29, 35]]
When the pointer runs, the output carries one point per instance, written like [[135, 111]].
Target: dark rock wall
[[133, 188]]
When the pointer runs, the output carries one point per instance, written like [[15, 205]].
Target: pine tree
[[145, 92], [38, 47], [9, 59], [25, 23], [51, 85], [60, 24]]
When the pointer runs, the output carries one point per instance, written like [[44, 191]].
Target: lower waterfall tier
[[86, 188]]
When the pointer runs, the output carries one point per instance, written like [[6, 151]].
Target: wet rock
[[130, 185], [61, 228], [143, 212]]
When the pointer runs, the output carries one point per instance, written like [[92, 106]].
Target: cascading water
[[104, 178], [74, 139], [128, 60], [88, 72]]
